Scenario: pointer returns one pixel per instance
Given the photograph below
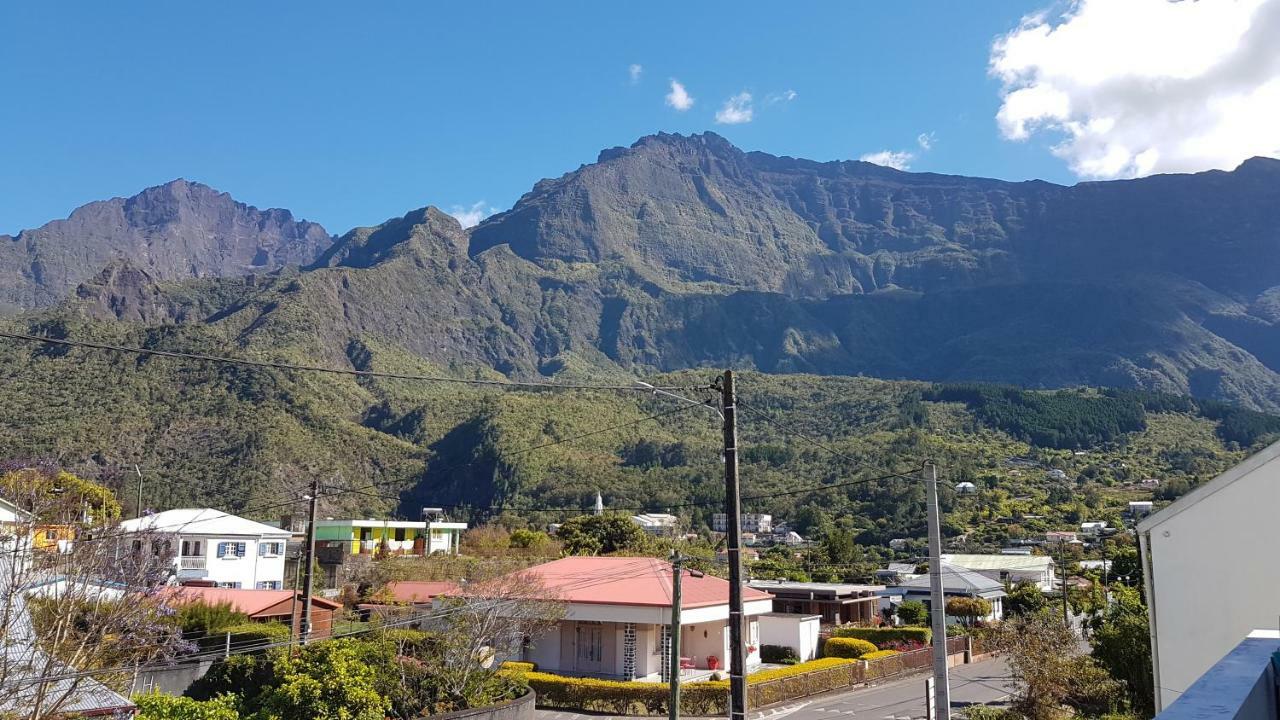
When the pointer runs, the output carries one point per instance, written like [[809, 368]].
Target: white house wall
[[1212, 571]]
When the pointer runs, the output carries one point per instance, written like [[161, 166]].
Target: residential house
[[1228, 517], [956, 582], [1140, 508], [618, 613], [660, 524], [262, 605], [896, 573], [401, 599], [16, 526], [1093, 529], [898, 543], [30, 673], [1150, 482], [834, 603], [345, 546], [213, 548], [1053, 537], [1008, 569], [1056, 474], [759, 523]]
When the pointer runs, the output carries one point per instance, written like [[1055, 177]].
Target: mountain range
[[684, 251]]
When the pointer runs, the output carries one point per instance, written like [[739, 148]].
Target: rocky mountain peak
[[174, 231]]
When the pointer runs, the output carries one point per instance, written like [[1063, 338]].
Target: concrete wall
[[798, 632], [1211, 571]]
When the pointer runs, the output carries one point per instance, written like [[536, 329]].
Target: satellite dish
[[485, 655]]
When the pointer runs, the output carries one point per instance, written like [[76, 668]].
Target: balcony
[[1241, 686], [192, 562]]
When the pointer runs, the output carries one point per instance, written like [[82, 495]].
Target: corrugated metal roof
[[999, 562], [630, 581]]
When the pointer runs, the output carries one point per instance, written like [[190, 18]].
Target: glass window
[[400, 534]]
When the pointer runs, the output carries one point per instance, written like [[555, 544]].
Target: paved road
[[979, 683]]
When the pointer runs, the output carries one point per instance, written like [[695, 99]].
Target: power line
[[86, 344]]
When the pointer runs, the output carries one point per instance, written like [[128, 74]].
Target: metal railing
[[193, 562]]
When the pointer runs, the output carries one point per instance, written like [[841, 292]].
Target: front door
[[589, 648]]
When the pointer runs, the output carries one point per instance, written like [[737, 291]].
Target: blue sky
[[350, 113]]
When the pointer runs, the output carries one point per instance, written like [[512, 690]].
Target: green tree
[[968, 608], [155, 706], [1054, 680], [533, 540], [327, 680], [1121, 643], [913, 612], [1024, 599], [1127, 564], [602, 534]]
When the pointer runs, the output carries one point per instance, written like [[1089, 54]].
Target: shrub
[[879, 655], [778, 654], [847, 647], [879, 636], [154, 706], [198, 618], [247, 675], [984, 712], [519, 667], [247, 636], [913, 612]]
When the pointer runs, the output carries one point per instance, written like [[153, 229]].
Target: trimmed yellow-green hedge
[[880, 636], [627, 698], [696, 698], [847, 647], [519, 666], [878, 654]]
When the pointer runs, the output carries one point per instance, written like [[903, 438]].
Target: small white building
[[966, 488], [1140, 508], [956, 582], [1184, 545], [1093, 529], [1053, 537], [657, 523], [898, 543], [211, 546]]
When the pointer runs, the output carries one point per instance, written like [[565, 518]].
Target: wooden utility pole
[[1062, 565], [937, 599], [733, 512], [138, 511], [677, 569], [308, 579]]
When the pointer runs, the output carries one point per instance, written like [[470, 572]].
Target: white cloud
[[896, 159], [926, 140], [780, 97], [634, 72], [1145, 86], [471, 216], [679, 98], [736, 110]]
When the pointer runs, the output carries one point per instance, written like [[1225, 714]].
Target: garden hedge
[[847, 647], [246, 636], [519, 666], [696, 698], [880, 636], [879, 654], [778, 654]]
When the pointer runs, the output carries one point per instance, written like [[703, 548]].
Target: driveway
[[979, 683]]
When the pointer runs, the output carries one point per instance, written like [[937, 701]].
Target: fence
[[819, 681]]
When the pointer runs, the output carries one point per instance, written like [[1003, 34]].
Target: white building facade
[[215, 548], [1211, 572], [759, 523]]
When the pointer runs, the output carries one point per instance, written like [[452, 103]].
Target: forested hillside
[[249, 439]]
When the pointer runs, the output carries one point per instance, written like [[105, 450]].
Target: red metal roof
[[411, 591], [249, 602], [629, 581]]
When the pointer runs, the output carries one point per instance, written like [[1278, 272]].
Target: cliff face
[[684, 252], [174, 231]]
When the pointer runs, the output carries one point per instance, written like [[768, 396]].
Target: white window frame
[[231, 550], [270, 548]]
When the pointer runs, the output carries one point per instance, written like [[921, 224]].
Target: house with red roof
[[260, 605], [618, 613]]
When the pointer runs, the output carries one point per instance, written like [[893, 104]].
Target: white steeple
[[599, 504]]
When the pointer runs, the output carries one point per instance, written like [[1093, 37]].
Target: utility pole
[[1062, 564], [937, 600], [138, 470], [309, 580], [677, 569], [733, 511]]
